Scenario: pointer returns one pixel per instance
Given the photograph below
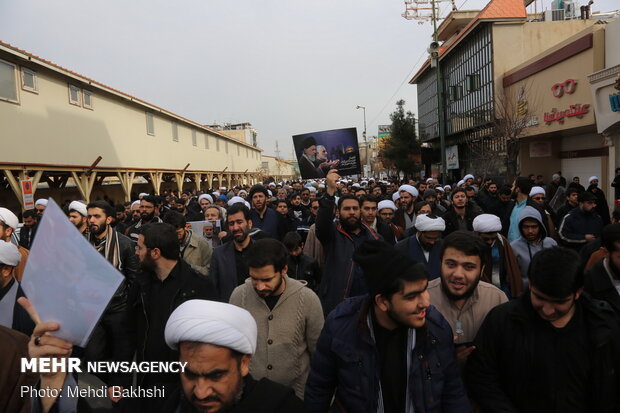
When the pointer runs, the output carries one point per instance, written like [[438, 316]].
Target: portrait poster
[[318, 152]]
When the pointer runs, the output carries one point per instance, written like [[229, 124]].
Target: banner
[[66, 279], [384, 135], [27, 193], [452, 157], [318, 152]]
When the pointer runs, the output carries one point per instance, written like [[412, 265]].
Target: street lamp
[[365, 143]]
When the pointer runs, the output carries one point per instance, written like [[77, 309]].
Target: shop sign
[[568, 87], [577, 110], [452, 157], [614, 101]]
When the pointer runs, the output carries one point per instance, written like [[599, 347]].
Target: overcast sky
[[286, 66]]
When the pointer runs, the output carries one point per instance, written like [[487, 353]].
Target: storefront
[[552, 94], [605, 90]]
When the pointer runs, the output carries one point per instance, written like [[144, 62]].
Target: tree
[[403, 148], [499, 141]]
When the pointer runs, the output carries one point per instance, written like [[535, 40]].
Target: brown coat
[[14, 346], [510, 268]]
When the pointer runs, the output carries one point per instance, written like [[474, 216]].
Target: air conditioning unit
[[554, 15]]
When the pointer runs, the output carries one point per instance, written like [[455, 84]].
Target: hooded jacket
[[525, 250]]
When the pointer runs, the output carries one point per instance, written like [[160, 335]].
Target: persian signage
[[577, 110]]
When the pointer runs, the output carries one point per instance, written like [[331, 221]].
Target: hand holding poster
[[318, 152], [66, 279]]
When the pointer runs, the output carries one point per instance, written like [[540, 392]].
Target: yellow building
[[278, 168], [64, 129]]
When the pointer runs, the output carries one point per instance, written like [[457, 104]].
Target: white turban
[[468, 176], [9, 255], [321, 186], [312, 189], [272, 184], [9, 218], [429, 180], [222, 188], [205, 196], [142, 195], [440, 189], [355, 185], [135, 203], [386, 204], [592, 178], [243, 191], [460, 183], [424, 223], [216, 194], [395, 196], [487, 223], [211, 322], [235, 200], [78, 207], [408, 188], [447, 187], [537, 190], [41, 201]]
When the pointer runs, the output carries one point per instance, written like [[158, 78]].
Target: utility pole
[[366, 144], [420, 12]]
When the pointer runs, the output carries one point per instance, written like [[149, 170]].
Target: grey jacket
[[525, 250]]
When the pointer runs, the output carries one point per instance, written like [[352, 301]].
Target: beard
[[465, 295], [350, 225], [98, 230], [147, 264], [311, 157], [147, 217], [226, 407]]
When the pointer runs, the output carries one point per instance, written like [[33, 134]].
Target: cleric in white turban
[[215, 379], [537, 190], [41, 201], [386, 204], [212, 322], [425, 223], [410, 189], [486, 223], [78, 207]]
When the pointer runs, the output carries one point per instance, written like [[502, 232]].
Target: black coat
[[194, 285], [503, 374], [452, 219], [576, 225], [304, 267], [598, 284]]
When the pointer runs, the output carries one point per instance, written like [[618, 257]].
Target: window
[[150, 124], [473, 82], [29, 80], [75, 95], [238, 150], [217, 144], [247, 153], [87, 101], [206, 141], [265, 165], [8, 82], [175, 131], [456, 93], [226, 146], [194, 142]]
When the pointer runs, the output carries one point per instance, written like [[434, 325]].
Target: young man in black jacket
[[165, 284], [551, 350]]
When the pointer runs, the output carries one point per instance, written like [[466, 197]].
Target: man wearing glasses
[[147, 216]]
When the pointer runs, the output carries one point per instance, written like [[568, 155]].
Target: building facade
[[64, 129], [478, 49]]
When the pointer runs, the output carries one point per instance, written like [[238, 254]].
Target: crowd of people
[[341, 295]]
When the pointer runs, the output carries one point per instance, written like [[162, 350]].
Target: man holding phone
[[459, 294]]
